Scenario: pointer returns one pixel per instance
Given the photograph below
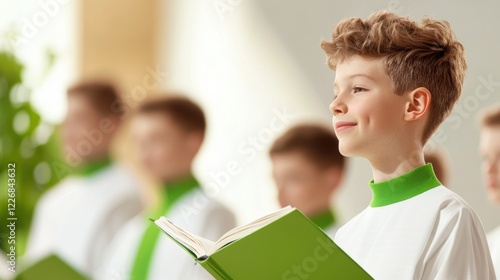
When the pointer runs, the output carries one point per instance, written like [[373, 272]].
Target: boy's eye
[[358, 89]]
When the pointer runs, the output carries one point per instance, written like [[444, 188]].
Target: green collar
[[324, 219], [404, 187], [91, 168], [172, 192], [175, 190]]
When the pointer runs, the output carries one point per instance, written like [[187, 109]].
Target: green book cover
[[50, 268], [291, 247]]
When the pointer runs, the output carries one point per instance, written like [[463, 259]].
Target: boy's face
[[81, 132], [302, 184], [367, 114], [164, 149], [490, 152]]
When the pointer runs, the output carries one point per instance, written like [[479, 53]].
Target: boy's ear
[[116, 121], [194, 141], [334, 177], [418, 104]]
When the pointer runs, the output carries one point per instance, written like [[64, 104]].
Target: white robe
[[195, 213], [78, 217], [5, 273], [434, 235], [494, 242]]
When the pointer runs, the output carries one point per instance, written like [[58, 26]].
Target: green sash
[[173, 192]]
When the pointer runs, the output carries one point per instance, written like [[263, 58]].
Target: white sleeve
[[119, 254], [112, 223], [40, 233], [459, 249], [494, 242]]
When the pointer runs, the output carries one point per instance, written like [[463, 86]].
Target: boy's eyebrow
[[361, 75], [357, 75]]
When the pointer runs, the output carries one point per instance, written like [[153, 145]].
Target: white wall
[[243, 60], [32, 29]]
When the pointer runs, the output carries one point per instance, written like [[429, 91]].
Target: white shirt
[[194, 212], [78, 217], [434, 235], [494, 242], [415, 228]]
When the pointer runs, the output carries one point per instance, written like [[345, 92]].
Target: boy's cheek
[[495, 195], [283, 198]]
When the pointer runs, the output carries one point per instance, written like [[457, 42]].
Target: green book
[[50, 268], [284, 245]]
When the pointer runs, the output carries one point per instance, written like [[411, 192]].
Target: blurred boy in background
[[168, 133], [490, 151], [439, 160], [308, 169], [78, 217]]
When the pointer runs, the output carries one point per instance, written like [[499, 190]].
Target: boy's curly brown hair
[[416, 54]]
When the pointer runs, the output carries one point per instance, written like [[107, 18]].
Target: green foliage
[[29, 143]]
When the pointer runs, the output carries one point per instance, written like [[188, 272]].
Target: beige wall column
[[120, 40]]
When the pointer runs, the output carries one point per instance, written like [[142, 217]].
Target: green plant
[[29, 143]]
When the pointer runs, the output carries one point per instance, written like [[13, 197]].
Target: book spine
[[213, 268]]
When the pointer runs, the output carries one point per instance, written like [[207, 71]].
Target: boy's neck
[[177, 177], [396, 164], [91, 167]]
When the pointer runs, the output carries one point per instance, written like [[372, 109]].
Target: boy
[[77, 218], [396, 80], [308, 169], [168, 133], [490, 152]]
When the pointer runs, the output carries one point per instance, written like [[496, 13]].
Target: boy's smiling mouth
[[341, 126]]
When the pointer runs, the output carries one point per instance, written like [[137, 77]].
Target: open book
[[281, 245]]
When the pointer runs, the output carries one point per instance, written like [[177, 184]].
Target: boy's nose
[[490, 167], [337, 107]]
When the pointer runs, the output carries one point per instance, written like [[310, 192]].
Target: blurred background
[[254, 66]]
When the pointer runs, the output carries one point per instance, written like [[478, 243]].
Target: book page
[[192, 242], [200, 246]]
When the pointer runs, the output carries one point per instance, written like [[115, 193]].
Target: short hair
[[415, 54], [490, 117], [317, 143], [102, 95], [184, 112]]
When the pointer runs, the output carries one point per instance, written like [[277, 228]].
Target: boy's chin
[[347, 151], [495, 198]]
